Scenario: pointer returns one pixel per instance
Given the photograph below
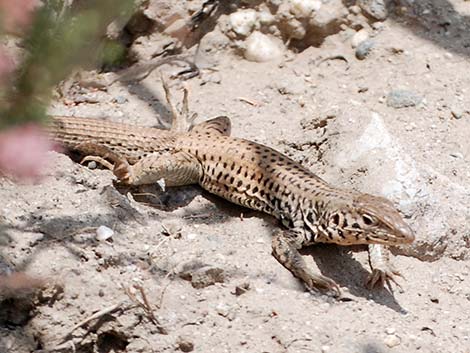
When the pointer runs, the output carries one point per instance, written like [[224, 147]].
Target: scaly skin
[[251, 175]]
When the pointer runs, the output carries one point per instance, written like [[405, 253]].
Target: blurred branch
[[57, 42]]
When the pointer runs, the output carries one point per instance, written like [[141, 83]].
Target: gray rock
[[457, 112], [364, 48], [200, 274], [376, 9], [120, 100], [184, 344], [403, 98], [242, 288]]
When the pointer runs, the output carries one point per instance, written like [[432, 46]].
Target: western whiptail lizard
[[251, 175]]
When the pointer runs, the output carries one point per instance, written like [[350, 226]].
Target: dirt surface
[[187, 271]]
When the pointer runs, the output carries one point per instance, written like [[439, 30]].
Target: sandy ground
[[187, 271]]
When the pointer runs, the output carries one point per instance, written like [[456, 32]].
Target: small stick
[[96, 315], [145, 305], [160, 301], [249, 101]]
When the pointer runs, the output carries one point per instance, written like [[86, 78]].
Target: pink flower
[[16, 15], [23, 151]]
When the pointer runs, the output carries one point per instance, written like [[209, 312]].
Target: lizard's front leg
[[285, 246], [383, 271], [175, 168]]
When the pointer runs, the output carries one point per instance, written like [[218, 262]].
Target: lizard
[[251, 175]]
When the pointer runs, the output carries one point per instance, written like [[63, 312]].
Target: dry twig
[[146, 306]]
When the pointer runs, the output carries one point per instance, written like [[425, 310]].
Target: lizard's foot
[[123, 171], [285, 247], [381, 277], [319, 283], [383, 272], [181, 121]]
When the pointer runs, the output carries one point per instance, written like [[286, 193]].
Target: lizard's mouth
[[391, 239]]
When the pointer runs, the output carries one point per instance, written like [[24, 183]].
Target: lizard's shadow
[[168, 200], [333, 261], [338, 264]]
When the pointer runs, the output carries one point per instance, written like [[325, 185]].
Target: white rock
[[261, 48], [162, 184], [222, 309], [304, 8], [243, 21], [359, 37], [191, 236], [392, 341], [265, 17], [103, 233]]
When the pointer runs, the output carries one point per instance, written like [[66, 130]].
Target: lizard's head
[[365, 219]]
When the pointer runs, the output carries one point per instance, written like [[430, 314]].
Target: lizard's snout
[[406, 233]]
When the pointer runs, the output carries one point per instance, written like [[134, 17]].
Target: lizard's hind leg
[[181, 121], [99, 154]]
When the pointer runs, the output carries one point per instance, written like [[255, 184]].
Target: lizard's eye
[[368, 220], [335, 219]]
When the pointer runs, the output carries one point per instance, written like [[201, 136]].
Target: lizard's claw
[[381, 277], [322, 284], [122, 170]]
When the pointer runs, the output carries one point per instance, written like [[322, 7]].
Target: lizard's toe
[[381, 277], [122, 170], [323, 284]]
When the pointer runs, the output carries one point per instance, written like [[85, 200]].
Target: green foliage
[[57, 43], [113, 53]]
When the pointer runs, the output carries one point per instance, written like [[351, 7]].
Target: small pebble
[[243, 21], [260, 47], [362, 89], [355, 9], [191, 236], [364, 48], [390, 331], [241, 289], [457, 155], [120, 100], [359, 37], [378, 26], [223, 309], [161, 183], [374, 8], [103, 233], [184, 344], [400, 98], [325, 349], [304, 8], [392, 341], [92, 165], [457, 113]]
